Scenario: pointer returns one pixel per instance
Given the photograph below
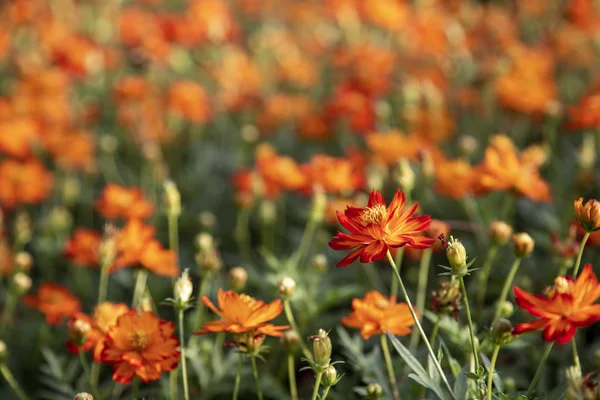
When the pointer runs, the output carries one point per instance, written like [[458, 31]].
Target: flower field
[[283, 199]]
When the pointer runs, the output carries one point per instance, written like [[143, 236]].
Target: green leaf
[[496, 378]]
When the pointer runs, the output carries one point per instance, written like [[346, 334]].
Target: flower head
[[566, 306], [377, 228], [83, 248], [588, 215], [242, 313], [121, 202], [54, 301], [142, 345], [375, 314]]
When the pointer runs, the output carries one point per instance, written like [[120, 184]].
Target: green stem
[[307, 237], [9, 310], [435, 330], [390, 367], [292, 377], [418, 324], [470, 321], [86, 372], [173, 389], [421, 293], [236, 387], [173, 233], [135, 388], [140, 287], [491, 371], [186, 390], [540, 369], [507, 285], [472, 211], [581, 247], [290, 317], [398, 261], [103, 286], [315, 393], [325, 393], [256, 380], [12, 382], [242, 234], [484, 276], [204, 289], [575, 354]]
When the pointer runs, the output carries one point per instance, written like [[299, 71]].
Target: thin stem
[[135, 388], [315, 393], [418, 324], [581, 247], [484, 276], [575, 354], [435, 330], [325, 393], [173, 233], [491, 371], [421, 294], [186, 390], [540, 369], [256, 380], [472, 211], [470, 321], [173, 389], [242, 234], [398, 261], [307, 237], [86, 371], [507, 285], [292, 377], [12, 382], [204, 289], [236, 387], [103, 286], [390, 367], [290, 317], [140, 287], [9, 309]]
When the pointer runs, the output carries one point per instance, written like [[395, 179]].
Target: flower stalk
[[470, 322], [506, 287], [390, 367], [491, 371], [421, 292], [12, 382], [292, 377], [186, 390], [236, 387], [540, 369], [256, 379], [290, 317], [580, 254]]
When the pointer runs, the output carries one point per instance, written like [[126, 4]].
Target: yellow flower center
[[374, 214], [382, 304], [139, 340]]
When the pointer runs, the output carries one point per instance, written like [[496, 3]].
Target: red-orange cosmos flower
[[568, 305], [54, 301], [142, 345], [121, 202], [83, 248], [242, 313], [377, 228], [375, 314]]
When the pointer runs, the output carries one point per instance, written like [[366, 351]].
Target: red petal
[[375, 198], [351, 224], [350, 258]]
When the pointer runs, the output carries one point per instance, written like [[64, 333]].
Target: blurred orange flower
[[333, 175], [71, 149], [389, 147], [566, 306], [354, 106], [377, 228], [454, 178], [83, 248], [54, 301], [242, 313], [278, 172], [121, 202], [18, 136], [375, 314], [189, 100], [140, 344], [26, 182]]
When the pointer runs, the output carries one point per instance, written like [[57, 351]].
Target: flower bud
[[467, 145], [500, 232], [108, 246], [205, 241], [83, 396], [588, 215], [501, 332], [507, 309], [22, 227], [78, 330], [238, 278], [268, 211], [23, 261], [290, 340], [250, 134], [374, 391], [172, 199], [286, 287], [405, 176], [3, 352], [509, 384], [446, 300], [207, 220], [319, 263], [319, 204], [183, 288], [523, 244], [71, 190], [22, 283], [59, 219], [329, 376], [209, 261], [321, 349], [457, 256], [108, 144]]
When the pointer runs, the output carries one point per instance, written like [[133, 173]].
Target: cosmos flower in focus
[[588, 214], [566, 306], [377, 228], [54, 301]]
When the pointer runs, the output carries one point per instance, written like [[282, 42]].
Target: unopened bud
[[238, 278], [290, 340], [78, 330], [3, 352], [467, 146], [59, 219], [507, 309], [22, 227], [319, 204], [183, 288], [108, 144], [405, 176], [457, 256], [321, 349], [500, 232], [588, 215], [108, 246], [523, 244], [587, 153], [83, 396], [23, 261], [172, 199], [71, 190], [207, 220], [329, 376], [501, 332], [446, 300], [22, 282], [250, 134], [319, 263], [509, 384], [286, 287], [268, 211], [209, 261], [205, 241], [374, 391]]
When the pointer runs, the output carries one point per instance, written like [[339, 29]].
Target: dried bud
[[523, 244], [108, 246], [588, 215], [172, 199], [209, 261], [83, 396], [404, 176], [319, 263], [286, 287], [23, 261], [205, 241], [207, 220], [374, 391], [457, 256], [467, 145], [329, 376], [238, 278], [507, 309], [183, 288], [447, 299], [78, 330], [321, 349], [501, 332], [500, 232], [3, 352], [290, 340], [22, 283]]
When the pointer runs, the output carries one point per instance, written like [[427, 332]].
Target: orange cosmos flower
[[189, 100], [54, 301], [454, 178], [354, 105], [389, 147], [588, 215], [83, 248], [71, 149], [566, 306], [140, 344], [242, 313], [26, 182], [278, 172], [105, 316], [333, 175], [504, 169], [17, 137], [121, 202], [375, 314], [377, 228], [6, 258]]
